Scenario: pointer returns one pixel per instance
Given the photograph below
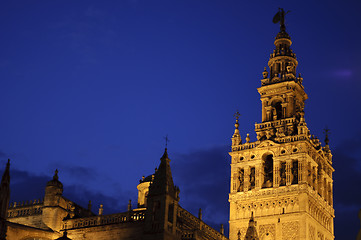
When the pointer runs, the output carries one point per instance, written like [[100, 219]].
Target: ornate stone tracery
[[287, 173]]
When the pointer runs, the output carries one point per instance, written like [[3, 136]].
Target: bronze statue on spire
[[280, 17]]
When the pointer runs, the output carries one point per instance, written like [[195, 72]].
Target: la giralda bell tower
[[281, 184]]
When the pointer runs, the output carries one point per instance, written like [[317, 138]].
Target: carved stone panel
[[290, 231], [267, 231]]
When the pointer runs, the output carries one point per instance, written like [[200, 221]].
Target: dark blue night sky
[[92, 87]]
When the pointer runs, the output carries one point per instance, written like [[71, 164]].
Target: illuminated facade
[[281, 184], [157, 217]]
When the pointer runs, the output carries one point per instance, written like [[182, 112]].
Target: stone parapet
[[104, 220], [197, 226]]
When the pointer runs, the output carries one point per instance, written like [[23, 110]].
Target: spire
[[236, 138], [64, 237], [163, 180], [6, 176], [251, 230], [4, 200], [283, 62]]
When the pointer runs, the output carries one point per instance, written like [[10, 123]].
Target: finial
[[222, 229], [166, 141], [236, 138], [237, 115], [326, 131], [101, 209], [265, 73], [90, 205], [248, 139], [200, 214], [130, 205], [55, 177]]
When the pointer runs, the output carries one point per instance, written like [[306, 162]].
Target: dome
[[283, 34], [55, 181]]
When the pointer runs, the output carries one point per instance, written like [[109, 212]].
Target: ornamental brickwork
[[283, 181]]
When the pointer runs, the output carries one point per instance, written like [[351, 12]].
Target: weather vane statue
[[280, 17]]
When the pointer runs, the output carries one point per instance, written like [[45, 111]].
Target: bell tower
[[281, 184]]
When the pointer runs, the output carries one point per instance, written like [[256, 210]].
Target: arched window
[[268, 170], [295, 172], [277, 111]]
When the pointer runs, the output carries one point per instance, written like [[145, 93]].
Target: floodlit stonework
[[158, 216], [281, 185]]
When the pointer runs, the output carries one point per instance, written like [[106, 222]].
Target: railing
[[29, 210], [26, 203], [276, 123], [285, 139], [104, 219], [198, 224], [292, 138]]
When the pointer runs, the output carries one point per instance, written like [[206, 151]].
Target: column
[[314, 174], [301, 172], [288, 172], [284, 110], [320, 182], [264, 113], [246, 178], [276, 173], [234, 182], [259, 176]]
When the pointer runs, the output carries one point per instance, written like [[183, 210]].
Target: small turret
[[54, 186], [55, 206]]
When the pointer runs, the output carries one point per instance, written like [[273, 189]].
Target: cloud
[[203, 179], [26, 186], [2, 154], [344, 73], [81, 196], [347, 199]]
